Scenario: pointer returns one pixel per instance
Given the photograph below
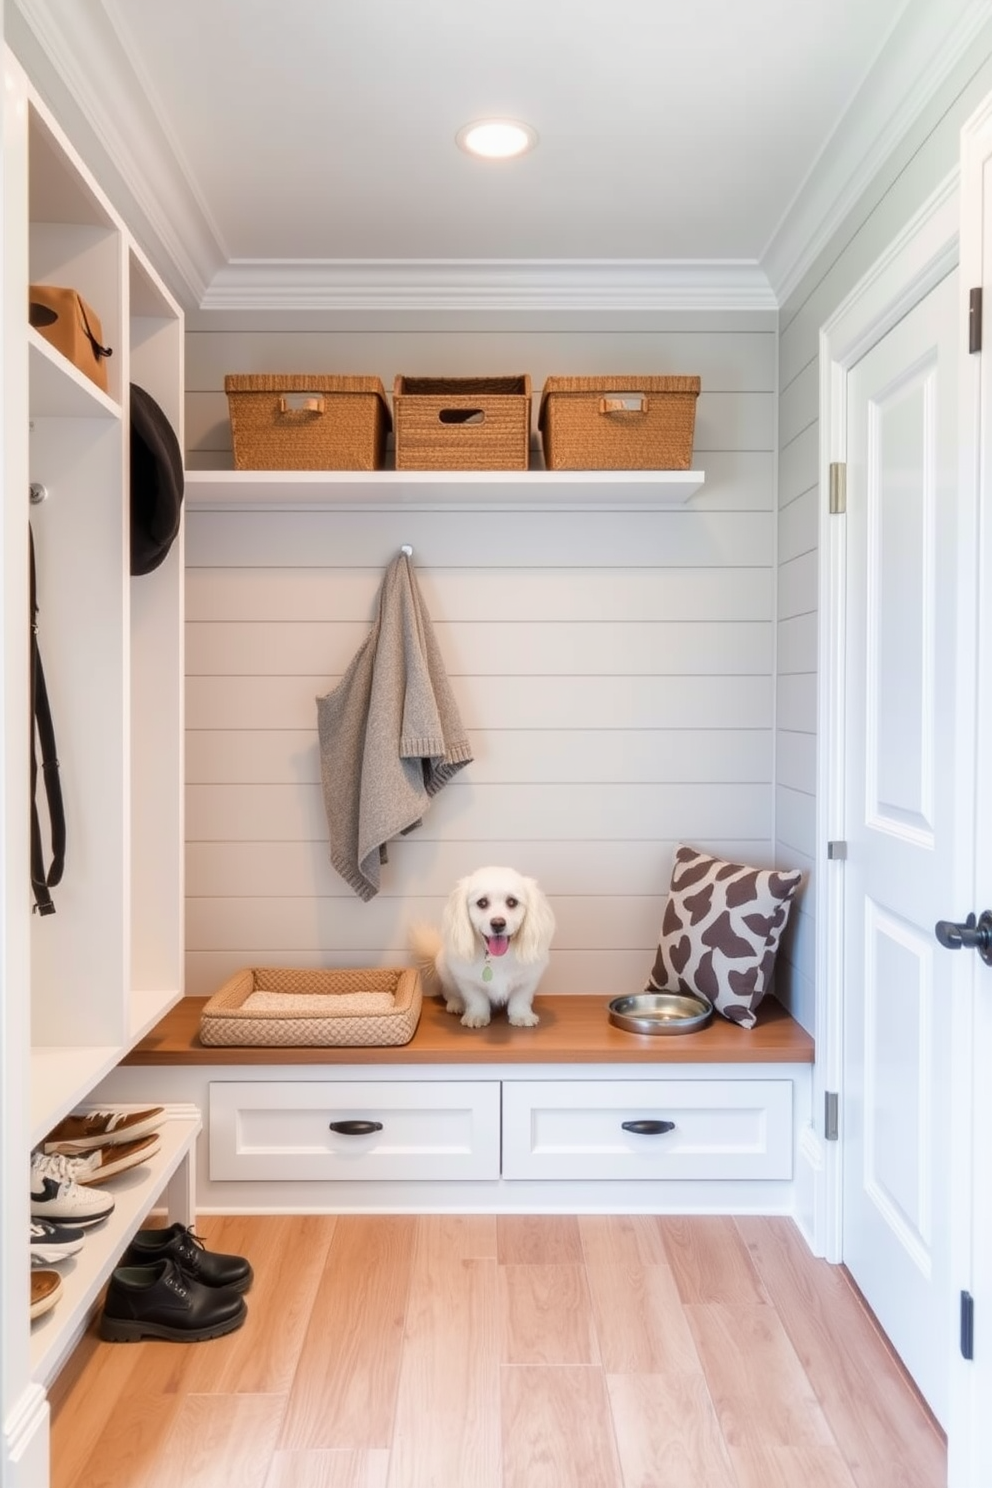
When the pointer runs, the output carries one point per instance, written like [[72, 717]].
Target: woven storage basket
[[307, 421], [618, 423], [284, 1008], [462, 423]]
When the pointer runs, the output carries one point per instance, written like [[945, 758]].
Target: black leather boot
[[162, 1301], [180, 1244]]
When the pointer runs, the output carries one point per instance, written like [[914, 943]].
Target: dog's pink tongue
[[497, 944]]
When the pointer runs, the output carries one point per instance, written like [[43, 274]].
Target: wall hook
[[37, 493], [407, 548]]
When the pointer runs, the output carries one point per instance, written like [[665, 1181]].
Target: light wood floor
[[507, 1352]]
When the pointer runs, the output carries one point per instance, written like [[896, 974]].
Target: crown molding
[[918, 57], [488, 284], [91, 62]]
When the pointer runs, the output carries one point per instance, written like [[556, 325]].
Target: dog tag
[[487, 973]]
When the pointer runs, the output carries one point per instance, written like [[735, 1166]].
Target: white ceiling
[[294, 143]]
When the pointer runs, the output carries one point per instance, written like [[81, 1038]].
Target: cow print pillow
[[721, 931]]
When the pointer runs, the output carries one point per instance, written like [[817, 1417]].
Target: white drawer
[[575, 1129], [420, 1129]]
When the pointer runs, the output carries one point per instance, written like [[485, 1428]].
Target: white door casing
[[923, 256], [901, 709], [970, 1429]]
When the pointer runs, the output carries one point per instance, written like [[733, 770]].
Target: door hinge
[[838, 487], [831, 1107], [837, 849], [967, 1326], [975, 320]]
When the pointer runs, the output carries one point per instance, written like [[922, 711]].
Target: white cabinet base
[[696, 1129], [248, 1166], [368, 1130]]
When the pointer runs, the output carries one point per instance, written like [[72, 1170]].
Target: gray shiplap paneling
[[482, 813], [529, 702], [798, 526], [798, 584], [481, 539], [583, 868], [917, 166], [799, 404], [797, 702], [797, 643], [575, 756], [796, 760], [494, 648], [480, 592], [614, 669], [725, 361], [799, 468]]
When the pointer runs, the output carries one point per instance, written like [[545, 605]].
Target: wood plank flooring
[[483, 1351]]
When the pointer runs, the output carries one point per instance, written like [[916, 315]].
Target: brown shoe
[[46, 1289], [94, 1167], [102, 1128]]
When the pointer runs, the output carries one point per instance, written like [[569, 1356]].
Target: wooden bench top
[[572, 1030]]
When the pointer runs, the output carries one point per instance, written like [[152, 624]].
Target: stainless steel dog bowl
[[661, 1012]]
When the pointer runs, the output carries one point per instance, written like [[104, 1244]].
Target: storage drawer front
[[281, 1130], [724, 1129]]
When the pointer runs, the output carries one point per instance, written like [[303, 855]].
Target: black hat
[[156, 483]]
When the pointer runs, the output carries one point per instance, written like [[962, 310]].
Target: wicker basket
[[462, 423], [283, 1008], [307, 421], [618, 423]]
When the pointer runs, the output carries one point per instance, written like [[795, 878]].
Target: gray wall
[[922, 161], [615, 669]]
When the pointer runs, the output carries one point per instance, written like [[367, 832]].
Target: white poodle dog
[[492, 948]]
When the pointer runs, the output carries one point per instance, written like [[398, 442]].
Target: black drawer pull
[[356, 1128], [648, 1128]]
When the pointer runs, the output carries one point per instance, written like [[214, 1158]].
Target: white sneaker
[[53, 1243], [56, 1196]]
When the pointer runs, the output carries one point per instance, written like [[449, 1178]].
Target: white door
[[904, 855]]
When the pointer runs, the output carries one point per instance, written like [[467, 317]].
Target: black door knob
[[972, 935]]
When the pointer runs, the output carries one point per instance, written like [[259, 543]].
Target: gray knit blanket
[[390, 734]]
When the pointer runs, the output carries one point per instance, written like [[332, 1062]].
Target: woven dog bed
[[282, 1008]]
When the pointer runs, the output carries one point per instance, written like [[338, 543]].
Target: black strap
[[98, 350], [43, 732]]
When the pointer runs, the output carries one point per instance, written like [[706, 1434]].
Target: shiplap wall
[[615, 669], [923, 159]]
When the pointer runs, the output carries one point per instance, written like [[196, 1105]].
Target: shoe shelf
[[524, 490], [55, 1334]]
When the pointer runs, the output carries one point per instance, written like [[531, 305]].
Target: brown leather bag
[[63, 317]]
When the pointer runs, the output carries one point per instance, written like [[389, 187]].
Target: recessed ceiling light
[[496, 139]]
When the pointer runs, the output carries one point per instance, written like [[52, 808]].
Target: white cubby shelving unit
[[81, 986]]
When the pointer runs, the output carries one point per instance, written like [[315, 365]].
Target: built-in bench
[[572, 1115]]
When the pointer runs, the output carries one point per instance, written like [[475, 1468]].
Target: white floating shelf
[[527, 490]]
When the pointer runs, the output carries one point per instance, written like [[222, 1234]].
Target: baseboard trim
[[25, 1441]]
